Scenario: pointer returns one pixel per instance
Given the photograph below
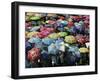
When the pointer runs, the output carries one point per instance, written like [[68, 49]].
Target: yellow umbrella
[[31, 34], [84, 50], [70, 39], [53, 36]]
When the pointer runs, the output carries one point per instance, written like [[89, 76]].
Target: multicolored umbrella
[[33, 54]]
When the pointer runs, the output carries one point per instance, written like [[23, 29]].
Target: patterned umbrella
[[33, 54]]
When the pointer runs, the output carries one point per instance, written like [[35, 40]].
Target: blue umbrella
[[60, 45], [44, 55], [47, 41], [34, 40], [52, 49], [27, 44], [74, 51], [73, 55]]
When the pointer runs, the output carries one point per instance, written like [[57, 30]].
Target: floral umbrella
[[33, 54]]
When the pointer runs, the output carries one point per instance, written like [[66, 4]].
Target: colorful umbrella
[[33, 54]]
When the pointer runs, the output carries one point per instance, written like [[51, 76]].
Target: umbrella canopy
[[31, 34], [53, 36], [34, 40], [84, 50], [74, 51], [35, 28], [44, 54], [33, 54], [35, 18], [52, 49], [47, 41], [70, 39], [62, 34], [60, 45]]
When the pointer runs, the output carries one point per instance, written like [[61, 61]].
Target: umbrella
[[27, 44], [47, 41], [80, 39], [44, 54], [31, 34], [33, 54], [79, 27], [74, 50], [53, 36], [72, 55], [35, 18], [34, 40], [34, 28], [62, 34], [60, 45], [84, 55], [52, 49], [70, 39], [84, 50]]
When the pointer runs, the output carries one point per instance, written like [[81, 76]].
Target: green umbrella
[[62, 34], [35, 18]]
